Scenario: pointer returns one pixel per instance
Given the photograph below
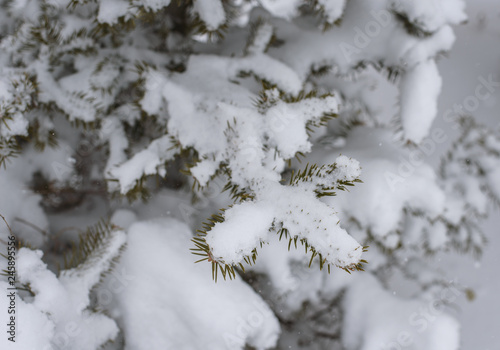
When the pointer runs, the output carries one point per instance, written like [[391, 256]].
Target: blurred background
[[476, 53]]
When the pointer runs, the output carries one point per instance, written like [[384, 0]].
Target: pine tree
[[266, 132]]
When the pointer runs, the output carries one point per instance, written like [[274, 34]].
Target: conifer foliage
[[271, 121]]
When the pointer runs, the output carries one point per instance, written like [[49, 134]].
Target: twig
[[6, 223], [45, 233]]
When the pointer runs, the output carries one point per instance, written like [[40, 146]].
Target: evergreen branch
[[320, 177], [88, 243], [8, 149]]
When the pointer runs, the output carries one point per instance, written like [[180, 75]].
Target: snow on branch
[[64, 300], [292, 212]]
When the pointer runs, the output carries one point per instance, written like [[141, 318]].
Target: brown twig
[[6, 223], [45, 233]]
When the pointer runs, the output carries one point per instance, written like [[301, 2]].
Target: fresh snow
[[413, 324], [154, 92], [420, 88], [195, 312], [211, 12]]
